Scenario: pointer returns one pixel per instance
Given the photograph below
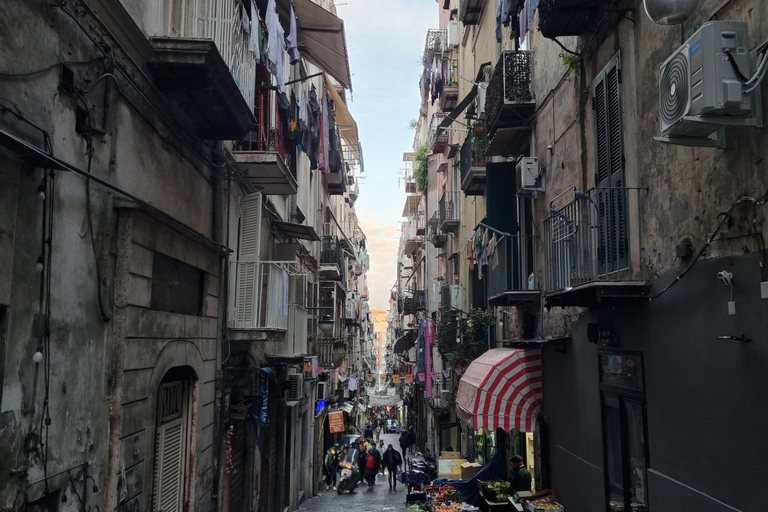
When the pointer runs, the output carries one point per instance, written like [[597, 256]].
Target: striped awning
[[501, 389]]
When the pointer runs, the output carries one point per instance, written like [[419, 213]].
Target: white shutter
[[247, 261], [169, 466]]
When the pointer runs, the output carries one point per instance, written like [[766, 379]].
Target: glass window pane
[[622, 371], [638, 489], [613, 455]]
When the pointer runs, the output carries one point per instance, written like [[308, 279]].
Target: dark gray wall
[[705, 397]]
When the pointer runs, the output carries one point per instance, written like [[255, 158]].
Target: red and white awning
[[501, 389]]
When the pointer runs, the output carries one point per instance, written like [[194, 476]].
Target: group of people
[[372, 459]]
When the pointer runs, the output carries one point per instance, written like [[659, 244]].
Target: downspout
[[220, 235], [117, 356]]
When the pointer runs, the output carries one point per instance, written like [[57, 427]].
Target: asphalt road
[[379, 499]]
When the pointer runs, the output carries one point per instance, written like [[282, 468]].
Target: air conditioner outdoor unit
[[312, 374], [295, 387], [529, 175], [699, 86], [453, 33], [322, 391]]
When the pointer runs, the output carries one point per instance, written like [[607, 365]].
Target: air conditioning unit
[[699, 87], [446, 396], [321, 391], [453, 33], [295, 387], [312, 374], [529, 175]]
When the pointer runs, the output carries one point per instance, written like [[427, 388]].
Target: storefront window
[[613, 456], [636, 448]]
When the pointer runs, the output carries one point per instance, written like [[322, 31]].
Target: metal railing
[[473, 154], [263, 294], [588, 239], [434, 124], [449, 207], [416, 302], [510, 84], [450, 74], [331, 253], [437, 41], [223, 22], [512, 264]]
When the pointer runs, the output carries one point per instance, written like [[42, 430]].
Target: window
[[623, 408], [171, 442], [609, 172], [177, 287]]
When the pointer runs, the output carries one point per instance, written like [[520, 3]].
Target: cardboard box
[[452, 466], [543, 501], [450, 455], [469, 469]]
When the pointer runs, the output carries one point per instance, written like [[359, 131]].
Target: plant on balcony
[[479, 146], [420, 170], [472, 330], [572, 62]]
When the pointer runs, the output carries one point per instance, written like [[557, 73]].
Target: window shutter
[[168, 466], [609, 173], [247, 261]]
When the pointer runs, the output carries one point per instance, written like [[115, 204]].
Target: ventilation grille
[[674, 89], [295, 385]]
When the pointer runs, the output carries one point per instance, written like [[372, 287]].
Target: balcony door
[[610, 180]]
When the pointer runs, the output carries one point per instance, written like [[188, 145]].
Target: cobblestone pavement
[[379, 499]]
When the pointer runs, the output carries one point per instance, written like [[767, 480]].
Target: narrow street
[[379, 499]]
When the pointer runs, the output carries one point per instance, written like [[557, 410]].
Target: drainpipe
[[117, 356], [220, 235]]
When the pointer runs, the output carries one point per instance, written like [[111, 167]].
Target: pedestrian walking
[[392, 460], [377, 432], [411, 439], [330, 466], [404, 441], [371, 467], [381, 449]]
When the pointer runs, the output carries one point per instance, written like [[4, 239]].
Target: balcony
[[417, 302], [508, 280], [413, 241], [437, 41], [437, 141], [261, 309], [575, 17], [295, 343], [587, 248], [331, 352], [450, 97], [336, 179], [470, 10], [332, 264], [204, 84], [473, 162], [449, 212], [436, 237], [509, 103]]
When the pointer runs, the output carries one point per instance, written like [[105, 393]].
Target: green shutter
[[609, 173]]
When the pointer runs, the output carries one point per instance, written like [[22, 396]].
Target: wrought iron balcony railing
[[415, 303], [449, 211], [509, 101], [437, 141], [437, 41], [508, 274], [589, 241], [473, 162]]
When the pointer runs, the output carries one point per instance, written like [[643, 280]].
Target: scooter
[[350, 475]]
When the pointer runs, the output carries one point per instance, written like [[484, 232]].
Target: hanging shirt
[[256, 34], [275, 46], [429, 342], [293, 46]]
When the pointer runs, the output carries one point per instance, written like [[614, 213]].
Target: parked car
[[392, 427]]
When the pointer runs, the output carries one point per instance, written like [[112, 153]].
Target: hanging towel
[[275, 46], [253, 43]]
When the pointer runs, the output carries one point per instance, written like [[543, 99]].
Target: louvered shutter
[[609, 173], [247, 261], [169, 465]]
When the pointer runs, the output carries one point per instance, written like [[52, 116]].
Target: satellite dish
[[669, 12]]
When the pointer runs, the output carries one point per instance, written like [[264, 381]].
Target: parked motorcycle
[[350, 475]]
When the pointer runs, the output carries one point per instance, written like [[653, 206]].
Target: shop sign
[[336, 422]]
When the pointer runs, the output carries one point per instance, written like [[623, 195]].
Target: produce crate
[[411, 478], [487, 492], [415, 496]]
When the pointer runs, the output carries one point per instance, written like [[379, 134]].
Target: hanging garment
[[275, 46], [506, 11], [256, 33], [420, 342], [293, 45], [429, 342], [313, 134]]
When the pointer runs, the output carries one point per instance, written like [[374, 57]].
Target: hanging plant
[[421, 168]]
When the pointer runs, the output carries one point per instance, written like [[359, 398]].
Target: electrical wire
[[711, 239]]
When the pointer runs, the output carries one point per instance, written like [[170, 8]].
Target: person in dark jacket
[[403, 442], [392, 459], [371, 467], [521, 477]]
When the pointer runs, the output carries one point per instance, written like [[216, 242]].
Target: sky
[[385, 40]]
